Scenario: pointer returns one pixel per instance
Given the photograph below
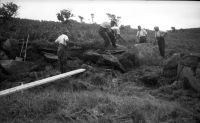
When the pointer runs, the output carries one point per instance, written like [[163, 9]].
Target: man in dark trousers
[[63, 42], [106, 33], [141, 35], [159, 38]]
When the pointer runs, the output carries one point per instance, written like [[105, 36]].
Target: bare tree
[[8, 10], [113, 17], [64, 15], [92, 16], [173, 29], [81, 19]]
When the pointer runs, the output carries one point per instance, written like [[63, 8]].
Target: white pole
[[39, 82]]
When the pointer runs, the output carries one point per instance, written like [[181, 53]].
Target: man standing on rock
[[106, 33], [63, 42], [141, 35], [159, 38], [116, 32]]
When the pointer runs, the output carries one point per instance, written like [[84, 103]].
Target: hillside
[[187, 39], [102, 94]]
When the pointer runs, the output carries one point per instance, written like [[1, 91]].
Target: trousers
[[161, 45], [62, 57], [143, 39], [108, 37]]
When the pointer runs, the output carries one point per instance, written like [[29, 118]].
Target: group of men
[[159, 38], [110, 32]]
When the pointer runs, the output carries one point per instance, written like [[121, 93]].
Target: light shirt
[[159, 34], [141, 33], [116, 29], [105, 25], [62, 39]]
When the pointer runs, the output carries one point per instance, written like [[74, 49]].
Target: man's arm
[[137, 37], [164, 34], [119, 36], [56, 41]]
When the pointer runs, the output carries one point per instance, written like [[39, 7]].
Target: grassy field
[[101, 96], [104, 95]]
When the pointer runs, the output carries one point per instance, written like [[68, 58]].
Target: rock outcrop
[[16, 67], [148, 54], [11, 48]]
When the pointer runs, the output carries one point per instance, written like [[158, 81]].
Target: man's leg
[[145, 40], [60, 63], [60, 58], [106, 38], [162, 41], [163, 47], [113, 38], [62, 70], [160, 46], [142, 39]]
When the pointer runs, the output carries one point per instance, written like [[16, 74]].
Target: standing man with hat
[[159, 38], [141, 35], [63, 45]]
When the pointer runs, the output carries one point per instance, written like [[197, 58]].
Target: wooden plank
[[39, 82]]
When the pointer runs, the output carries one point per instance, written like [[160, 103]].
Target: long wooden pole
[[39, 82]]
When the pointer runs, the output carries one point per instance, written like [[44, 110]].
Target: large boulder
[[109, 59], [170, 65], [3, 55], [11, 48], [129, 59], [148, 54], [126, 59], [16, 67], [150, 78], [191, 81], [191, 60], [172, 62], [106, 59], [91, 55], [3, 74], [187, 70]]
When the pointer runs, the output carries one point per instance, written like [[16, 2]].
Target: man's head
[[139, 27], [156, 28]]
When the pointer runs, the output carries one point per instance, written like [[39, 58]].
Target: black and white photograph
[[99, 61]]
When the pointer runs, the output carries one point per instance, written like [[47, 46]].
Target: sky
[[165, 14]]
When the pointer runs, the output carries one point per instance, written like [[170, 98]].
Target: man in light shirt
[[106, 33], [63, 43], [159, 38], [141, 35], [116, 31]]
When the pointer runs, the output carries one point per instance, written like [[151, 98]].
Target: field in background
[[181, 40]]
